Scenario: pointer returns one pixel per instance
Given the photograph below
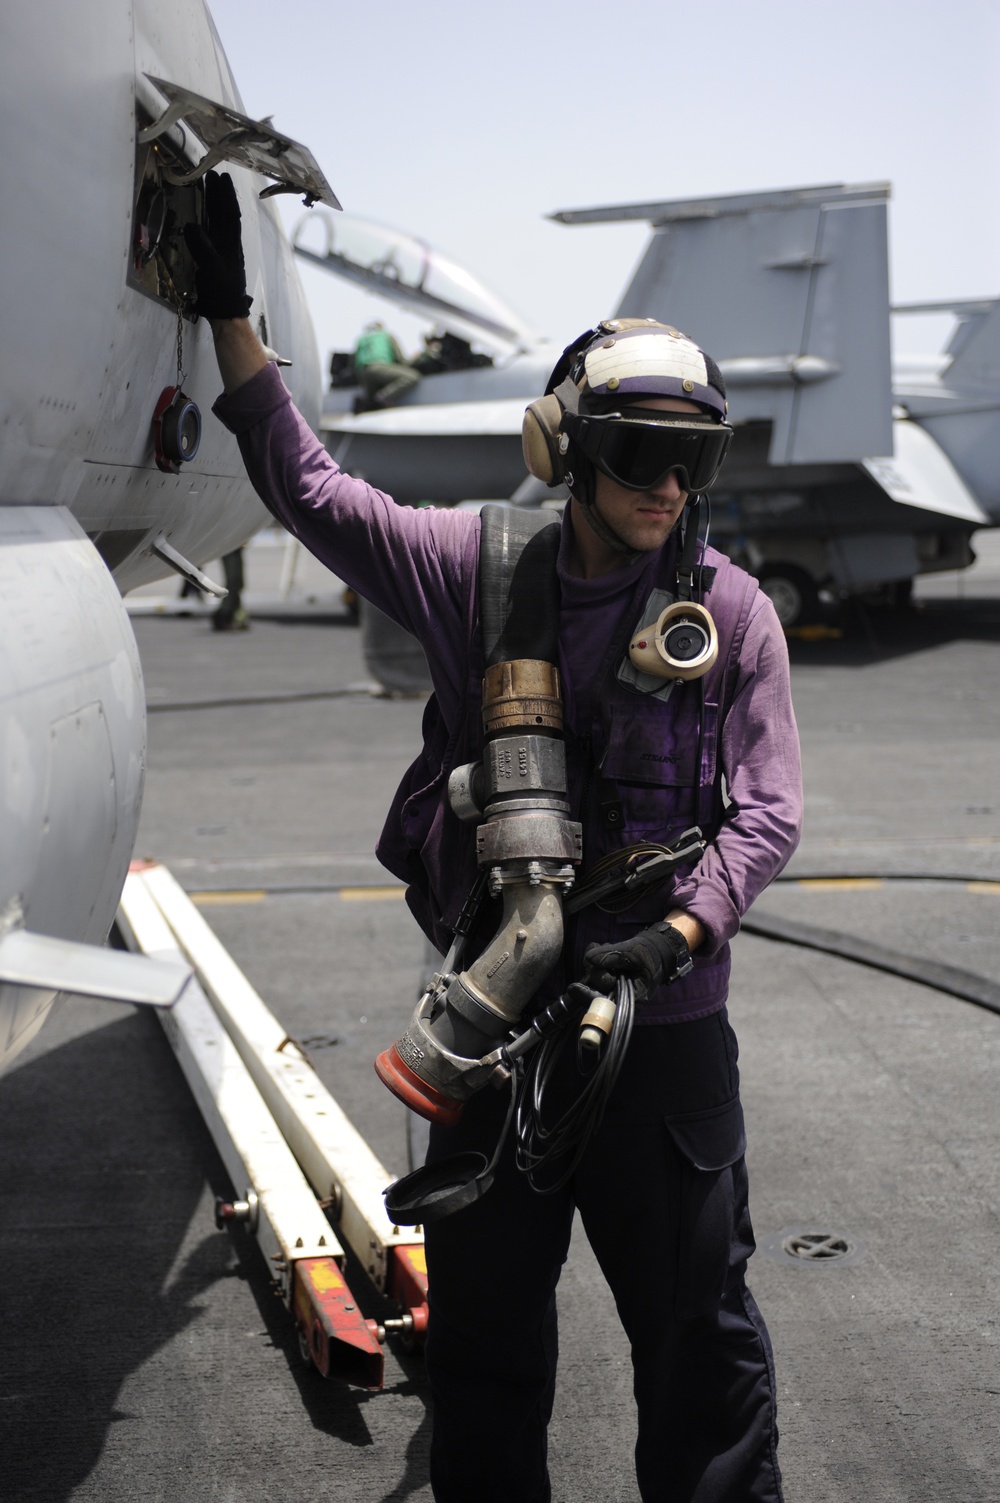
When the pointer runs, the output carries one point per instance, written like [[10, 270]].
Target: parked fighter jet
[[106, 477], [457, 435], [846, 473]]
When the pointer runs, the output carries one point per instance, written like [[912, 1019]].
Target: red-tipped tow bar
[[313, 1186]]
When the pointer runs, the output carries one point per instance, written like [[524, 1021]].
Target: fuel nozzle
[[528, 848]]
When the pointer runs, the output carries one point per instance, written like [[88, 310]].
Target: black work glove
[[651, 958], [217, 249]]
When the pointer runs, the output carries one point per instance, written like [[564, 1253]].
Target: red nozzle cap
[[393, 1071]]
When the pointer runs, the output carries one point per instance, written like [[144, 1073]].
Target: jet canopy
[[410, 273]]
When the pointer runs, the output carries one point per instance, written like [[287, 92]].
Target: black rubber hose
[[518, 593], [789, 879], [979, 990], [291, 696]]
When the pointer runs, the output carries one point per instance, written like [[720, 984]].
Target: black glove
[[651, 958], [217, 249]]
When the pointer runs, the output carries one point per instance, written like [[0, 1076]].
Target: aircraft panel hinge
[[185, 568]]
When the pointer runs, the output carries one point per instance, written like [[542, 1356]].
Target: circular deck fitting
[[812, 1246], [817, 1245]]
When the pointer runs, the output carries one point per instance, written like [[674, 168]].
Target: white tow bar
[[286, 1143]]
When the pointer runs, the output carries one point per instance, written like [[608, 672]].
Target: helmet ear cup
[[541, 443]]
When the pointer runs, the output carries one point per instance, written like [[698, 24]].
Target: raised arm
[[239, 352], [415, 565]]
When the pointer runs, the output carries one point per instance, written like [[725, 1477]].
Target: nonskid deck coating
[[144, 1353]]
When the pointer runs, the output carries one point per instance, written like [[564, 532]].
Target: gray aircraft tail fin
[[789, 291], [975, 348]]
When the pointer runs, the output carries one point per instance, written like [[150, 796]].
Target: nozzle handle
[[597, 1022]]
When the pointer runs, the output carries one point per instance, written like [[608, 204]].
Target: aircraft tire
[[792, 591]]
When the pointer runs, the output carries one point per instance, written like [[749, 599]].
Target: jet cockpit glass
[[411, 273]]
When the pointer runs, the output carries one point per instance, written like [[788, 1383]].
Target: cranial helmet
[[616, 364], [591, 416]]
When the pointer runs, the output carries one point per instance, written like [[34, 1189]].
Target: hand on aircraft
[[651, 958], [217, 248]]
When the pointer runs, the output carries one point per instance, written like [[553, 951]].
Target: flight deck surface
[[145, 1354]]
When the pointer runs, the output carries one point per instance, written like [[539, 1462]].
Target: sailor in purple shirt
[[662, 1189]]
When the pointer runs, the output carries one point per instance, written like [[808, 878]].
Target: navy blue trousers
[[662, 1191]]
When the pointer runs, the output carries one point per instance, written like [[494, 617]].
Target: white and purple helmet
[[628, 358]]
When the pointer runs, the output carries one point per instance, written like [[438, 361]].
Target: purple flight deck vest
[[635, 761]]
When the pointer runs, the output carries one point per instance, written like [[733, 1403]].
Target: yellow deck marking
[[982, 887], [372, 894], [818, 633], [842, 884], [207, 899]]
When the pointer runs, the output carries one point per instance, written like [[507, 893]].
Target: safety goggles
[[639, 452]]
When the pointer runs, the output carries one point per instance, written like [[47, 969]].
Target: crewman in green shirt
[[381, 367]]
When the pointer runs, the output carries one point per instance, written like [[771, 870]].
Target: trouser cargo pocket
[[711, 1204]]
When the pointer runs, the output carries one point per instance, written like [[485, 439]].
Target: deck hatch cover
[[231, 137]]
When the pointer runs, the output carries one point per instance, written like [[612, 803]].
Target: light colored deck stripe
[[372, 894], [218, 899]]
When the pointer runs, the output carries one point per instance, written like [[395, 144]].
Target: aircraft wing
[[789, 291], [500, 418]]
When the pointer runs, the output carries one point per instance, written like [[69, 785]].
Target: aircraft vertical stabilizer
[[976, 361], [790, 292]]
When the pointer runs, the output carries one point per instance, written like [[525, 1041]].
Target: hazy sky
[[466, 123]]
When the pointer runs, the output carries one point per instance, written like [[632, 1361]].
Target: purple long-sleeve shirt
[[419, 567]]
